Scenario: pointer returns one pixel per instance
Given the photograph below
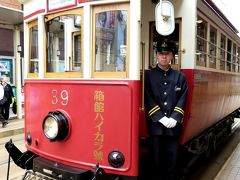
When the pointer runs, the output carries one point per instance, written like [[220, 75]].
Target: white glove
[[164, 121], [168, 122], [172, 123]]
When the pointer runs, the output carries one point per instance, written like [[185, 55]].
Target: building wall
[[14, 4], [6, 36]]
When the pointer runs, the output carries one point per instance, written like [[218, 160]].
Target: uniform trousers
[[164, 157], [2, 119], [5, 110]]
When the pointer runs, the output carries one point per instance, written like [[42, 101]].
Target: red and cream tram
[[84, 111]]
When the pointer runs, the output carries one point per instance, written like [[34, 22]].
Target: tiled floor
[[231, 169]]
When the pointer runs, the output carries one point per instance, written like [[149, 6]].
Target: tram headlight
[[55, 126], [116, 159]]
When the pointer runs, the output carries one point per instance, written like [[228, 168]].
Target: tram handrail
[[143, 73]]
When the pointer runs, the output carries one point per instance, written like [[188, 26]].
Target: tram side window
[[238, 57], [64, 43], [110, 41], [234, 59], [222, 52], [229, 54], [212, 47], [33, 35], [201, 49]]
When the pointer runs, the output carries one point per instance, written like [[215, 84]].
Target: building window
[[6, 45]]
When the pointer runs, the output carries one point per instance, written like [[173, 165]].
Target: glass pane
[[34, 50], [64, 43], [201, 49], [111, 36], [229, 55], [234, 58], [77, 53], [222, 52], [238, 56], [212, 47]]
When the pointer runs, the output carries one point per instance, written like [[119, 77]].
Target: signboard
[[6, 68], [60, 4]]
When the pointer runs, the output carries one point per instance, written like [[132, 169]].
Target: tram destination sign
[[53, 5]]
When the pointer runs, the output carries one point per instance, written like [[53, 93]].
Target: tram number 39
[[60, 97]]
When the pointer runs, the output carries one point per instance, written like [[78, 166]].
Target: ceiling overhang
[[10, 16]]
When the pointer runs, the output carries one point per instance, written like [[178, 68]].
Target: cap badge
[[164, 44]]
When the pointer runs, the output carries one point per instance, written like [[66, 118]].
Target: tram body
[[84, 114]]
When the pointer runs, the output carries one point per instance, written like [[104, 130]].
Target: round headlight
[[55, 126]]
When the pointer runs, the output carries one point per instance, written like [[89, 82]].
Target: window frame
[[66, 74], [31, 25], [201, 54], [104, 8]]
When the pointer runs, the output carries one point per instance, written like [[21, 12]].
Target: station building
[[11, 46]]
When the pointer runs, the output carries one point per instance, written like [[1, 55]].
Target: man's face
[[164, 59]]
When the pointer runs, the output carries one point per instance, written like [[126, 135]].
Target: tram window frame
[[222, 52], [212, 50], [229, 55], [234, 58], [33, 74], [70, 73], [111, 74], [201, 42], [238, 58]]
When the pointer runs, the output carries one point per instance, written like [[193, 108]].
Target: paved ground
[[14, 131]]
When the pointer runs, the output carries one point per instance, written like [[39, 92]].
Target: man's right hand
[[168, 122], [164, 121]]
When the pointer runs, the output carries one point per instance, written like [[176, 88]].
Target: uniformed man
[[165, 98]]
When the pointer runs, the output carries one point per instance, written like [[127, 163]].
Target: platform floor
[[231, 169]]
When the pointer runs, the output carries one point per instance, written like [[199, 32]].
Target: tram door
[[175, 37]]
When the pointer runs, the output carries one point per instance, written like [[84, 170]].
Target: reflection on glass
[[201, 42], [34, 50], [212, 47], [111, 49], [63, 46], [222, 52]]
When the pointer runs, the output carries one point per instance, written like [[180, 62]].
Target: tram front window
[[110, 41], [64, 43]]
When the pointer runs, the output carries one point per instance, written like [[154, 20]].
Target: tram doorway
[[175, 37]]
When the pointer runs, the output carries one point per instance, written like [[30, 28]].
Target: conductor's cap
[[165, 46]]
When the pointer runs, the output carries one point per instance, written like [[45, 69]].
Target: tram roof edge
[[218, 12]]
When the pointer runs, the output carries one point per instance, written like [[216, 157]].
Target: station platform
[[231, 168], [14, 127]]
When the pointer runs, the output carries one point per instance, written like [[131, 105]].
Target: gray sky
[[231, 10]]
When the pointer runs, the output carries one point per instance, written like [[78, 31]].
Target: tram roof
[[218, 12]]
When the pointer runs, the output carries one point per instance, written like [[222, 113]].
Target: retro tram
[[84, 68]]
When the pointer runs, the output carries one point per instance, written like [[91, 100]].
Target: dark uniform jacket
[[165, 95]]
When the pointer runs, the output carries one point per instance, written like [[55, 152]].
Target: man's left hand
[[172, 123]]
